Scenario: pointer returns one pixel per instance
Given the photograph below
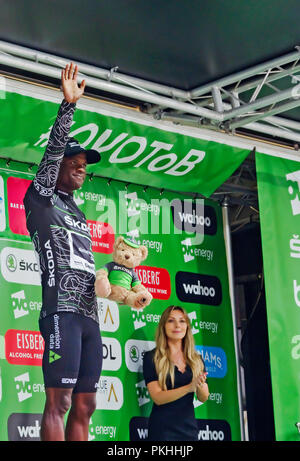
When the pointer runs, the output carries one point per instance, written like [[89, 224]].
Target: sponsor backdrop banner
[[186, 265], [131, 151], [279, 202]]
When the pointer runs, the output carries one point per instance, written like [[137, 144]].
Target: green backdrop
[[279, 203], [186, 265]]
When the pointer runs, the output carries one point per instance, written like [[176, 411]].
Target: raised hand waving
[[72, 92]]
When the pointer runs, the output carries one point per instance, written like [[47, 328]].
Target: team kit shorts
[[73, 352]]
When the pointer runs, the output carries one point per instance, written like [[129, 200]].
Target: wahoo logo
[[19, 304], [142, 393], [295, 203], [24, 427], [194, 216], [187, 250], [23, 387], [213, 430], [198, 288], [138, 428], [30, 432]]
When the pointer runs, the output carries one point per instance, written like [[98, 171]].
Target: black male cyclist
[[72, 359]]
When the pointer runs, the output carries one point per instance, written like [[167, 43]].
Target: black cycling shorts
[[73, 352]]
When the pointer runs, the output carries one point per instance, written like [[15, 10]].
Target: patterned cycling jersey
[[60, 233]]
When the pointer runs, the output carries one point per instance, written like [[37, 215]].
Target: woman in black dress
[[173, 372]]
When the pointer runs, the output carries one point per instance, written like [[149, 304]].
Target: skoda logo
[[11, 263], [134, 353]]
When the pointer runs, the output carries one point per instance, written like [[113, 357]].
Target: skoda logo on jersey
[[76, 224]]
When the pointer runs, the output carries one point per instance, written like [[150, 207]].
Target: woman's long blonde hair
[[162, 360]]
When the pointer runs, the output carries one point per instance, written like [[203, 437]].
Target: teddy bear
[[118, 281]]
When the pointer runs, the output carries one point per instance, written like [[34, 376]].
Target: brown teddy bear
[[118, 281]]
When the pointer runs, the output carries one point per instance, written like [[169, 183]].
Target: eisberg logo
[[198, 288], [23, 347], [194, 216], [156, 280], [215, 360]]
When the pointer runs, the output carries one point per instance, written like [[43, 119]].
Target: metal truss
[[250, 99]]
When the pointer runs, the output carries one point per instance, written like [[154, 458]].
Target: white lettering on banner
[[153, 244], [112, 354], [207, 434], [216, 397], [30, 341], [296, 293], [106, 430], [295, 253], [91, 127], [169, 163], [295, 246], [20, 266], [198, 325], [295, 203], [296, 349], [30, 431]]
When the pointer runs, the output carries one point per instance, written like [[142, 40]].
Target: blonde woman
[[173, 372]]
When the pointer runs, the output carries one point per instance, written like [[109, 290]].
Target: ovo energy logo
[[142, 393], [21, 306], [23, 387], [140, 319]]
